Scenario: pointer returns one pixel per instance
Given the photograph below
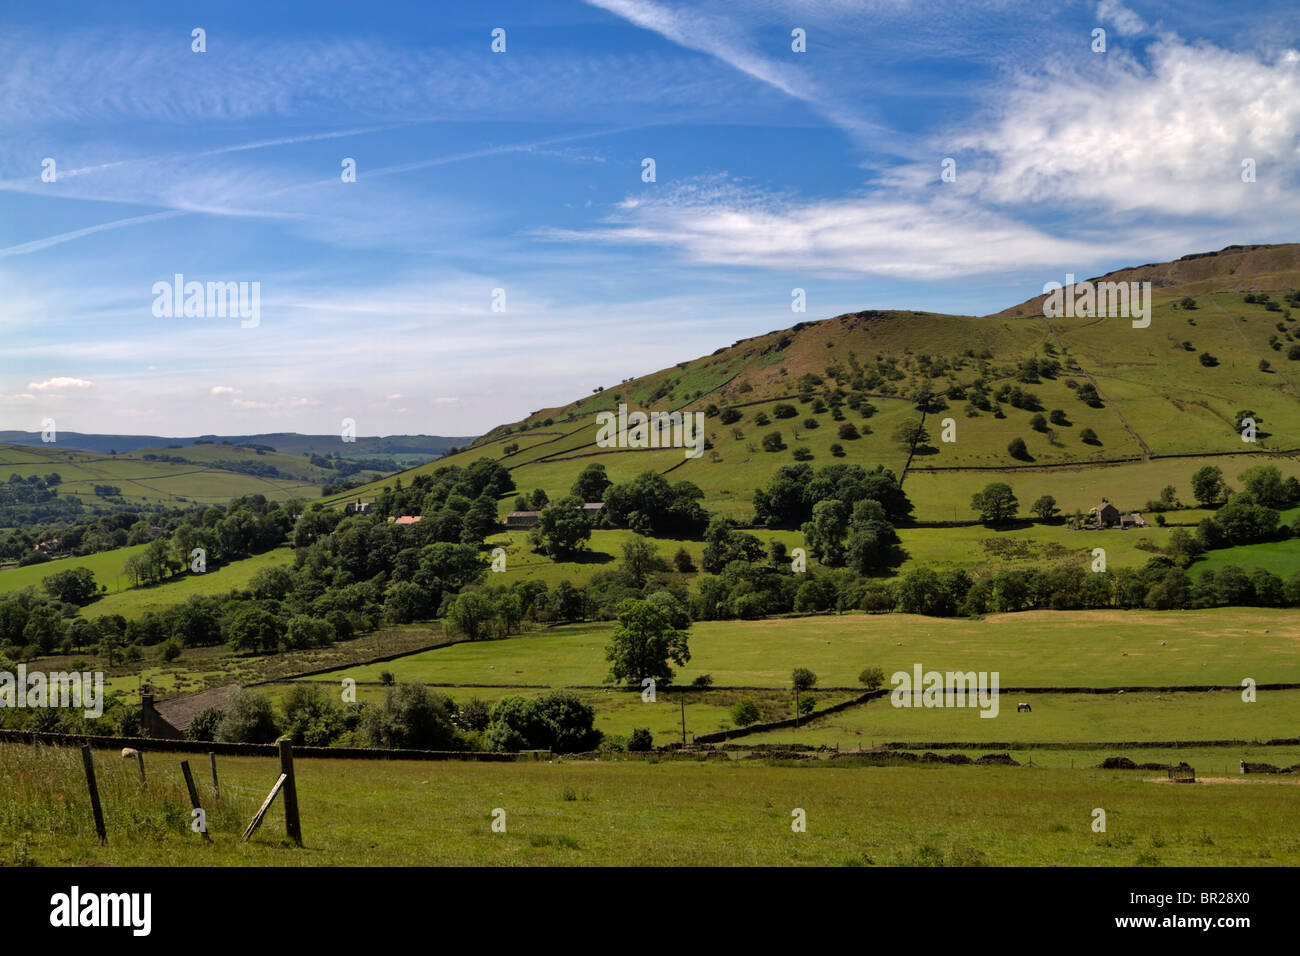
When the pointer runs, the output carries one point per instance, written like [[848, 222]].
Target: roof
[[181, 711], [524, 514], [409, 519], [593, 505]]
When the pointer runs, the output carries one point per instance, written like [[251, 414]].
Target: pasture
[[664, 813]]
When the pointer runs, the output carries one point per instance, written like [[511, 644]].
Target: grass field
[[132, 602], [1218, 715], [106, 565], [668, 813], [1032, 649]]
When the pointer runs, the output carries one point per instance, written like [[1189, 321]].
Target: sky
[[504, 248]]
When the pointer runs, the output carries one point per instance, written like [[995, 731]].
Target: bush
[[170, 650], [204, 725], [802, 679], [848, 431], [1089, 437], [730, 416], [806, 704], [475, 714], [1017, 449], [683, 561], [703, 681], [411, 717], [802, 454], [744, 712], [640, 741], [249, 719], [772, 441], [785, 411], [1208, 360], [872, 677], [386, 678], [557, 721]]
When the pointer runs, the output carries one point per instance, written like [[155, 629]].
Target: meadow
[[1029, 649], [643, 812]]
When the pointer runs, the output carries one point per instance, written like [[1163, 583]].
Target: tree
[[1208, 360], [310, 718], [801, 679], [1038, 423], [76, 585], [644, 643], [411, 717], [1207, 486], [872, 677], [1266, 484], [253, 629], [683, 561], [848, 431], [744, 712], [305, 631], [557, 721], [1089, 437], [44, 628], [591, 484], [824, 534], [1016, 448], [996, 504], [471, 614], [248, 719], [640, 558], [911, 432], [772, 441], [1044, 507], [562, 529]]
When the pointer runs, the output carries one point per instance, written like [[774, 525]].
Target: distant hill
[[289, 443], [1148, 404]]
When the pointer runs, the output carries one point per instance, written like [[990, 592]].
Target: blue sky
[[522, 171]]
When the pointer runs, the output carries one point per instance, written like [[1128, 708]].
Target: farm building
[[1106, 515], [529, 519], [522, 519], [357, 507], [169, 719]]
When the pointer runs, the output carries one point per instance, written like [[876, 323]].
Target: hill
[[1103, 408], [120, 482], [289, 443]]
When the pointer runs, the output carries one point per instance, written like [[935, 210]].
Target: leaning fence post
[[89, 763], [194, 798], [290, 792]]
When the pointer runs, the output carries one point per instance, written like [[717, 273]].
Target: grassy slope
[[636, 813], [1035, 648], [144, 482], [1157, 394]]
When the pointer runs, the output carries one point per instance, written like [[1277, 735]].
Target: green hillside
[[1160, 411], [163, 483]]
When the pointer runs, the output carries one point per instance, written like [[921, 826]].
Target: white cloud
[[60, 382], [223, 390]]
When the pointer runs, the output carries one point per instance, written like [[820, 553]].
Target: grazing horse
[[1023, 707]]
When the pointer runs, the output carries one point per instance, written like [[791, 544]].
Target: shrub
[[1017, 449], [386, 678], [744, 712], [837, 450], [784, 411], [641, 740], [806, 704], [683, 561], [703, 681], [802, 679], [872, 677], [249, 719], [772, 442], [171, 650], [848, 431], [1089, 437], [204, 725], [730, 416], [411, 716], [802, 454], [1208, 360]]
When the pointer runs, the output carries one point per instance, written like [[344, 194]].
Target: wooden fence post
[[216, 789], [291, 823], [266, 805], [139, 757], [89, 763], [194, 798]]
